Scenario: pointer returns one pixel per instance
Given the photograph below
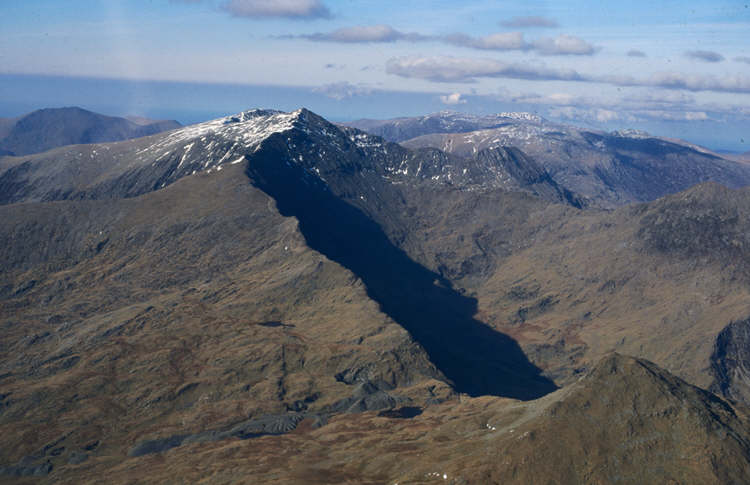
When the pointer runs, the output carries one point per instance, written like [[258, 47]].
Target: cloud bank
[[462, 69], [562, 45], [467, 70]]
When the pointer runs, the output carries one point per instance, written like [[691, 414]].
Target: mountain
[[49, 128], [302, 302], [608, 169]]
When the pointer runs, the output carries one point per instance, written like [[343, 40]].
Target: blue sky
[[676, 68]]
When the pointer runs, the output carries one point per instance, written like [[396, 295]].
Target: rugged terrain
[[300, 302], [627, 421]]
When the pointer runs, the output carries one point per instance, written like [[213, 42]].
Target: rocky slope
[[659, 280], [627, 421], [49, 128]]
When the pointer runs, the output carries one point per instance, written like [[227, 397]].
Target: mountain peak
[[646, 386], [631, 133], [247, 128]]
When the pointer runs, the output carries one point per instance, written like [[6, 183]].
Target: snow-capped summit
[[401, 129], [632, 133]]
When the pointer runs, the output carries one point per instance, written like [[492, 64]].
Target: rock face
[[608, 169], [706, 222], [730, 361], [50, 128]]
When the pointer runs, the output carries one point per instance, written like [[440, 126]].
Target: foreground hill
[[257, 286], [626, 421], [49, 128], [608, 169]]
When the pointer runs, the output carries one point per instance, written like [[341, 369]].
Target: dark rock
[[76, 458], [157, 445], [406, 412], [91, 446]]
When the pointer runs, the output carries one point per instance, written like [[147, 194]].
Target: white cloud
[[295, 9], [453, 98], [364, 34], [501, 41], [564, 45], [342, 90]]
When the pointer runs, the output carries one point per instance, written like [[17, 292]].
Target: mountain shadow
[[476, 358]]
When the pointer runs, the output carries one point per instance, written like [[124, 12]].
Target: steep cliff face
[[730, 362]]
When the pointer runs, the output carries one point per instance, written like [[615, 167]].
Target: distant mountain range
[[605, 169], [274, 296], [49, 128]]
